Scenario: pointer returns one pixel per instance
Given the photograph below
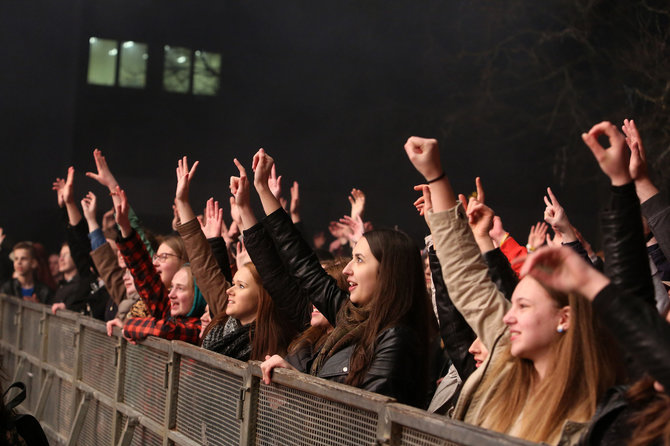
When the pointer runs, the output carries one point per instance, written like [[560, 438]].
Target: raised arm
[[206, 270], [463, 269], [627, 263], [147, 280], [296, 254]]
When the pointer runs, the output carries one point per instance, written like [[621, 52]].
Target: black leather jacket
[[394, 368], [627, 305]]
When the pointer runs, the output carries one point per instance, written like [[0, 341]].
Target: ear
[[564, 318]]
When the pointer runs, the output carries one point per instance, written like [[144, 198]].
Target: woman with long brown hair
[[382, 325], [547, 367]]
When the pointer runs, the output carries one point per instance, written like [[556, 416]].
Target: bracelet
[[530, 248], [504, 239], [436, 179]]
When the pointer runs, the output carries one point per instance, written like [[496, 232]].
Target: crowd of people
[[550, 342]]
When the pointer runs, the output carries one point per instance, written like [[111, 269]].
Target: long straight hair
[[584, 366], [400, 297]]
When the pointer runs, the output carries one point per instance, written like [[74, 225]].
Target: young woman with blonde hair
[[548, 366]]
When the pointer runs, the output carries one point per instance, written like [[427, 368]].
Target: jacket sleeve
[[466, 275], [110, 272], [627, 262], [513, 250], [208, 274], [80, 247], [639, 329], [303, 264], [657, 212], [288, 298], [455, 332], [220, 253], [147, 280], [501, 272]]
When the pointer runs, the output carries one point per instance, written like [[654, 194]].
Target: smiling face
[[243, 297], [533, 321], [181, 294], [167, 263], [362, 273]]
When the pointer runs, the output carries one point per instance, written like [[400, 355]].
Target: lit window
[[177, 71], [133, 68], [102, 56], [206, 73]]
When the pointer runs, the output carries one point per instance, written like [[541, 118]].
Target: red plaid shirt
[[155, 296]]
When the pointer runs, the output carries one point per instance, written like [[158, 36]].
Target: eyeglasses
[[162, 258]]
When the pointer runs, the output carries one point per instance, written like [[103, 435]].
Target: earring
[[560, 329]]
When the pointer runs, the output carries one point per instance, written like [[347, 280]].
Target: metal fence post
[[249, 404], [172, 386], [79, 419]]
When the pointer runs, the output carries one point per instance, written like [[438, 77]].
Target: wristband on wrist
[[530, 248], [436, 179], [504, 239]]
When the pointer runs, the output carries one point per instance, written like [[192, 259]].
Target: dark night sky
[[331, 90]]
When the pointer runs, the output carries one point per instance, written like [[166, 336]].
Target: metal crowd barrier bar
[[87, 388]]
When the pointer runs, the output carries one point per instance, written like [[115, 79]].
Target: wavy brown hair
[[585, 365]]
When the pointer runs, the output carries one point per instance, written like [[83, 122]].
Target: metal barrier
[[87, 388]]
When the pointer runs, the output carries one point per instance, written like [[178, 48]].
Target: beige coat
[[481, 304]]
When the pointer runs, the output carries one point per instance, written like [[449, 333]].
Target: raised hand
[[184, 177], [262, 168], [274, 182], [536, 236], [242, 257], [355, 226], [339, 230], [638, 158], [108, 220], [555, 215], [424, 203], [89, 206], [614, 161], [357, 200], [480, 216], [2, 236], [424, 154], [58, 186], [104, 175], [295, 202], [239, 186], [211, 227], [176, 221], [562, 269], [122, 210], [497, 231]]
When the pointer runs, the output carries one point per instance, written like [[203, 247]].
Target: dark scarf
[[351, 323], [231, 339]]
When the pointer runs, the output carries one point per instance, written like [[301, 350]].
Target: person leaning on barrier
[[175, 313], [383, 325], [545, 372]]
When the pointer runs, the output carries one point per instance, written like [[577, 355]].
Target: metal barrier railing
[[88, 388]]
